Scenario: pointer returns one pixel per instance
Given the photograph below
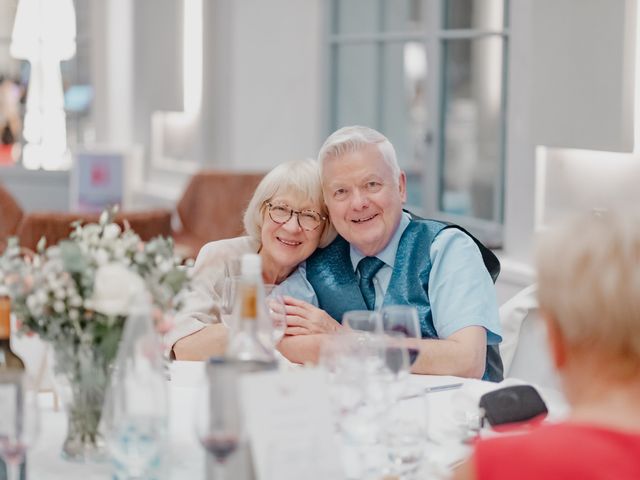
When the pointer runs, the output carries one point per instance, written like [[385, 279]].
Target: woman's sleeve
[[200, 305]]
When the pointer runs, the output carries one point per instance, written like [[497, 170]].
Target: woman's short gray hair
[[298, 177], [355, 138], [589, 281]]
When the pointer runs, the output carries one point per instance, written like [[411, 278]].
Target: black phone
[[517, 403]]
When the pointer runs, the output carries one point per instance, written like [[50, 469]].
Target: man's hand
[[305, 319]]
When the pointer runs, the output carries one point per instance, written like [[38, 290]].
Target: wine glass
[[228, 297], [396, 356], [364, 320], [19, 430], [218, 420], [273, 318], [402, 320], [275, 309]]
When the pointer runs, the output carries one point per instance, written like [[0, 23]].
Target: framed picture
[[98, 179]]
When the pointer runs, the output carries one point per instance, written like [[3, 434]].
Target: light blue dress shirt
[[461, 291]]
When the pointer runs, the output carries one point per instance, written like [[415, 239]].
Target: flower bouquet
[[77, 295]]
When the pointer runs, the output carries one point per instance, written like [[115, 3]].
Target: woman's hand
[[305, 319]]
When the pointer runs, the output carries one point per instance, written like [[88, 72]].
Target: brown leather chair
[[211, 208], [10, 216], [56, 226]]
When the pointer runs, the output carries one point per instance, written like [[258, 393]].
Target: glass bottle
[[12, 377]]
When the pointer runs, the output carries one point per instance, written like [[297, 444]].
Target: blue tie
[[367, 268]]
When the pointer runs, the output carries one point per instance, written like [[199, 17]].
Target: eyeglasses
[[307, 219]]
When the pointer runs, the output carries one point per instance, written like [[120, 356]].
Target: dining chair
[[524, 350]]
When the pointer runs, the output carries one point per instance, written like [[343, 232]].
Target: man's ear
[[402, 185], [555, 340]]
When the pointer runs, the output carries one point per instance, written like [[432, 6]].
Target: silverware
[[441, 388], [434, 389]]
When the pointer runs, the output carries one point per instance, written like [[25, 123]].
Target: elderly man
[[386, 256]]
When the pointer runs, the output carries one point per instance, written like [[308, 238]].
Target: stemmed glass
[[276, 311], [218, 420], [274, 315], [402, 320], [19, 430], [228, 295], [363, 320]]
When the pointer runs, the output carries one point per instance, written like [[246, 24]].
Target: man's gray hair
[[355, 138]]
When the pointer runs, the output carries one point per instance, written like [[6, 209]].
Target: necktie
[[368, 267]]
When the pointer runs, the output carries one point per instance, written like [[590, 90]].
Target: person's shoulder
[[220, 250], [536, 452], [337, 244], [517, 455]]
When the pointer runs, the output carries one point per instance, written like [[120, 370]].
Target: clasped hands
[[306, 319]]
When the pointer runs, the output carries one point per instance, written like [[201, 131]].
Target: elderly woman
[[589, 295], [286, 220]]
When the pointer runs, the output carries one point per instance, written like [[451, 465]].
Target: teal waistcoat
[[331, 275]]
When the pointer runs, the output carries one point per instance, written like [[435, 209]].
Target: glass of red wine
[[218, 419], [402, 320]]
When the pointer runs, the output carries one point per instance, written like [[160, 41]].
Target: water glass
[[273, 318], [276, 311], [19, 430], [406, 436], [135, 415]]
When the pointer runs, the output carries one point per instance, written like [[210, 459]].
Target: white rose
[[58, 306], [111, 231], [101, 256], [116, 289]]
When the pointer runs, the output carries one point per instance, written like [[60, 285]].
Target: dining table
[[452, 404]]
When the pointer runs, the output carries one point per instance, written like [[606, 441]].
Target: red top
[[564, 451]]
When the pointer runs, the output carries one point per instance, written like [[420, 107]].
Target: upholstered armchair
[[56, 226], [211, 208], [10, 216]]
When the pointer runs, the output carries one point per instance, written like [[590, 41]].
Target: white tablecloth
[[185, 458]]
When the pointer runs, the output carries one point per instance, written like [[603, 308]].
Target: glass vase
[[82, 377]]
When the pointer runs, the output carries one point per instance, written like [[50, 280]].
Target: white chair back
[[524, 350]]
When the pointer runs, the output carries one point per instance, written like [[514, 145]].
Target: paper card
[[290, 426]]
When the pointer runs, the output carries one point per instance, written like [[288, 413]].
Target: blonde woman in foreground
[[589, 295]]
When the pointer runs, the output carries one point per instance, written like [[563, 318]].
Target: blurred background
[[505, 114]]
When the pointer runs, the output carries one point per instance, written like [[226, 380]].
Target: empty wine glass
[[228, 297], [273, 319], [19, 430], [275, 308], [364, 320], [218, 419], [402, 320]]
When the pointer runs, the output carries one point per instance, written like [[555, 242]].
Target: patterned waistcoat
[[331, 274]]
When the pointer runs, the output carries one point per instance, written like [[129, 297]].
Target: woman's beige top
[[202, 304]]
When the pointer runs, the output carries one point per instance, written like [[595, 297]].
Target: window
[[430, 75]]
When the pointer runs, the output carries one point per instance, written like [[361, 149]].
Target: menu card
[[290, 425]]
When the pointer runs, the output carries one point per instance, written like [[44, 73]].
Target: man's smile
[[365, 219]]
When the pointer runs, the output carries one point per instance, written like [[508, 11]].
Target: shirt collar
[[388, 253]]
